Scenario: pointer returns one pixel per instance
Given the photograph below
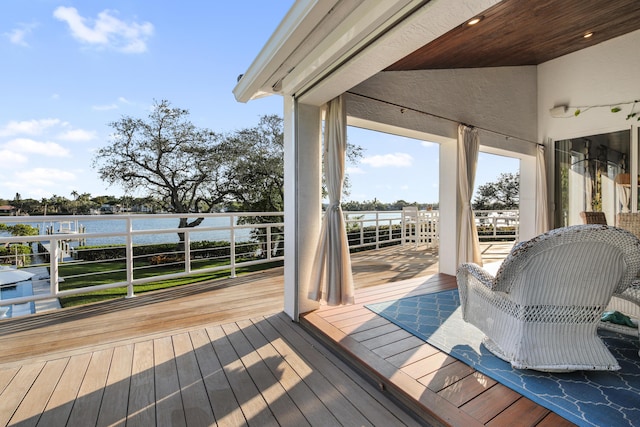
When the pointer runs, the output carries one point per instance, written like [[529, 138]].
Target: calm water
[[116, 225]]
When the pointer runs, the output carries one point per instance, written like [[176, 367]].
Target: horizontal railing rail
[[498, 224], [373, 228]]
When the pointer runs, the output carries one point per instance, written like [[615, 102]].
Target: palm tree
[[74, 205]]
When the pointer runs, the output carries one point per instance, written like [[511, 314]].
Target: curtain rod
[[403, 109]]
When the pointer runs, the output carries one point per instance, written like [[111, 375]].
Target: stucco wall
[[607, 73], [502, 100]]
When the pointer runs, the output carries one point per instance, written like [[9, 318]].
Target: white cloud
[[25, 145], [44, 177], [18, 35], [107, 30], [77, 135], [427, 143], [393, 160], [12, 159], [28, 127]]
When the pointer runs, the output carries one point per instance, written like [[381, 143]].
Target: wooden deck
[[222, 353], [437, 387]]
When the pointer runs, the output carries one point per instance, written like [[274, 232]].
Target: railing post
[[232, 249], [53, 267], [187, 252], [403, 224], [378, 230], [129, 256], [269, 243]]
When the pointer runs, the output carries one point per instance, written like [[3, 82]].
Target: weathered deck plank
[[36, 399], [225, 408], [17, 389], [113, 410], [141, 409], [197, 409], [58, 408]]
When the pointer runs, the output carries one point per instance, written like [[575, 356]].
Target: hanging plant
[[613, 108], [633, 114]]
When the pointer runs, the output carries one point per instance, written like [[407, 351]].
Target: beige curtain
[[542, 209], [332, 281], [468, 147]]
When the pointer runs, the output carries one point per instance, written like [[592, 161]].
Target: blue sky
[[70, 68]]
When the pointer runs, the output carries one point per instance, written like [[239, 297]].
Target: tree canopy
[[168, 157], [504, 193], [190, 169], [257, 169]]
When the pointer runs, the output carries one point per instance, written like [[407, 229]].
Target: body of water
[[114, 224], [117, 225]]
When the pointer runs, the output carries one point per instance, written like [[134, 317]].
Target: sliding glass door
[[592, 173]]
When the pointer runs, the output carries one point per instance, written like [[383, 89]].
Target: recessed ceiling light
[[474, 21], [587, 34]]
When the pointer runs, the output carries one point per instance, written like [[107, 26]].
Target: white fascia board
[[356, 31], [301, 19], [425, 25]]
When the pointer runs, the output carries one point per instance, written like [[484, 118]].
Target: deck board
[[169, 409], [197, 410], [87, 405], [34, 402], [17, 389], [225, 408], [113, 410], [141, 408], [61, 402]]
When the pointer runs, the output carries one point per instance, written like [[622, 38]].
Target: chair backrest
[[593, 217], [571, 264], [629, 221]]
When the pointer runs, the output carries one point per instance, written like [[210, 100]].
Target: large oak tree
[[167, 157]]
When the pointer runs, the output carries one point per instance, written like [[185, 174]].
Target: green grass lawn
[[81, 275]]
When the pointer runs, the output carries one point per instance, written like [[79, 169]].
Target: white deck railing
[[242, 251], [126, 234]]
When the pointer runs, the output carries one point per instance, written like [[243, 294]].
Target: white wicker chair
[[542, 309]]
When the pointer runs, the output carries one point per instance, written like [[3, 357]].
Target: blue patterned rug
[[586, 398]]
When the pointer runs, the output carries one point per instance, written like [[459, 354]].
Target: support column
[[635, 140], [449, 211], [302, 201], [527, 229]]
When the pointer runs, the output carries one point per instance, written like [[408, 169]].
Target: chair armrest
[[632, 293], [478, 273]]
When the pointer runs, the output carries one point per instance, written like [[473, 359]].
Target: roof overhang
[[322, 48]]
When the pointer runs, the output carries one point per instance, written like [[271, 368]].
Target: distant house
[[7, 210]]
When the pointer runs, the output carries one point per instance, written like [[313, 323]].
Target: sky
[[69, 68]]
